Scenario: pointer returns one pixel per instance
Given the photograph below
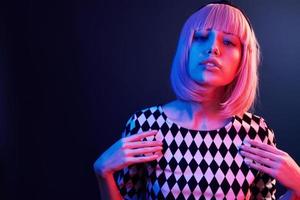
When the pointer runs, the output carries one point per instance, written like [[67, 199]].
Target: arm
[[108, 187], [276, 163], [127, 151], [289, 195]]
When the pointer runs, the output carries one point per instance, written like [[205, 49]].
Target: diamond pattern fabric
[[196, 164]]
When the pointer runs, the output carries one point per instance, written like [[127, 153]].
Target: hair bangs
[[222, 18]]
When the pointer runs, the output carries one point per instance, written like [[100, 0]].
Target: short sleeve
[[264, 186], [131, 180]]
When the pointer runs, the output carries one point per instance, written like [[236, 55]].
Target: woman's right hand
[[127, 151]]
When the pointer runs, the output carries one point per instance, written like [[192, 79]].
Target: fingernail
[[246, 141], [159, 153], [247, 162]]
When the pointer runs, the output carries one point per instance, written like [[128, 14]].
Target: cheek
[[193, 51], [236, 56], [233, 63], [235, 59], [193, 57]]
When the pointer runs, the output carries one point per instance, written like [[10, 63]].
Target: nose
[[213, 47], [214, 50]]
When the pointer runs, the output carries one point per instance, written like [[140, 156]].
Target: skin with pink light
[[213, 62]]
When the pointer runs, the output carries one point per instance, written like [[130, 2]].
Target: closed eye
[[200, 37], [228, 43]]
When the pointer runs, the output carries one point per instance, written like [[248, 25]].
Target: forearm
[[295, 196], [108, 188], [295, 189], [289, 195]]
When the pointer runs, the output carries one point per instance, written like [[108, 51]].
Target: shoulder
[[144, 119], [256, 126], [145, 112], [252, 119], [148, 112]]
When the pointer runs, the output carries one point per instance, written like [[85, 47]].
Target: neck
[[209, 105], [205, 114]]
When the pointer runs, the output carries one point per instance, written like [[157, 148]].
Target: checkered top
[[196, 164]]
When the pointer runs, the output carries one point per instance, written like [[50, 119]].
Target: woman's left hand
[[273, 161]]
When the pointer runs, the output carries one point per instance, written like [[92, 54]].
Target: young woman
[[201, 145]]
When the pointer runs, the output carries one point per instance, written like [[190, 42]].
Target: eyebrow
[[209, 29]]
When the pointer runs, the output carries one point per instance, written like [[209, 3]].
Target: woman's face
[[214, 57]]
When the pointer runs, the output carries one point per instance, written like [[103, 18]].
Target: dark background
[[72, 72]]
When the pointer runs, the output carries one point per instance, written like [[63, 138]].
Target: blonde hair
[[240, 94]]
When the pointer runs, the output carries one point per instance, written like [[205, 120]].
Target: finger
[[159, 153], [259, 152], [136, 152], [141, 144], [264, 146], [134, 160], [261, 168], [258, 159], [139, 136]]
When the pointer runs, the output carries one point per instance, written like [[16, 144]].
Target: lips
[[210, 63]]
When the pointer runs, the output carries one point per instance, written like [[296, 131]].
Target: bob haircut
[[240, 94]]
